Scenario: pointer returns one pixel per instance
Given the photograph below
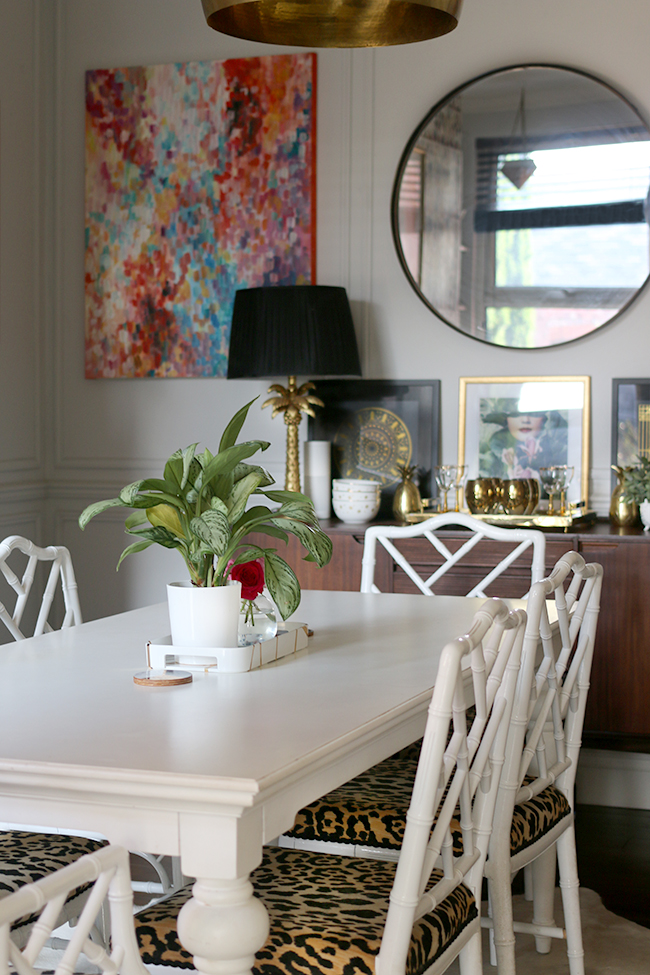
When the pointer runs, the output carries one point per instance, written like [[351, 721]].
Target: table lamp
[[292, 330]]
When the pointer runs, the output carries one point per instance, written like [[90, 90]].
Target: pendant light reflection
[[333, 23], [519, 171]]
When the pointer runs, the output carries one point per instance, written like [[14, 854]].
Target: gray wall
[[66, 440]]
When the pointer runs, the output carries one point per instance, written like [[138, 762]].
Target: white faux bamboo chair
[[368, 812], [28, 917], [337, 914], [26, 855], [16, 844], [387, 535], [367, 816], [537, 787], [60, 570]]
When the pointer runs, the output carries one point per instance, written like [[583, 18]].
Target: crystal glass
[[565, 476], [445, 479], [552, 479], [459, 483]]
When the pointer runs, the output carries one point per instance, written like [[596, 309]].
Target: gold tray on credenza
[[545, 522]]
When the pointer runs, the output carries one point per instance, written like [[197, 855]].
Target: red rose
[[251, 576]]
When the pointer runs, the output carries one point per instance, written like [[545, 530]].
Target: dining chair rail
[[385, 534]]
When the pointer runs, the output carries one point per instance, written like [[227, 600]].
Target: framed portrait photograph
[[377, 426], [630, 421], [511, 426]]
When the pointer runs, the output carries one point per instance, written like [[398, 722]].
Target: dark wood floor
[[614, 858]]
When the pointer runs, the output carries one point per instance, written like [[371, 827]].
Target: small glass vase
[[257, 621]]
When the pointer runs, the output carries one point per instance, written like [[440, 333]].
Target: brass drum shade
[[333, 23]]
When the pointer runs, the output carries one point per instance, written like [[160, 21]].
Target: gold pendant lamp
[[333, 23]]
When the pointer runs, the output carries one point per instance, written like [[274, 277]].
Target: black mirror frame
[[406, 154]]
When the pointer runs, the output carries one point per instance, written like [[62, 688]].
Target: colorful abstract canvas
[[199, 180]]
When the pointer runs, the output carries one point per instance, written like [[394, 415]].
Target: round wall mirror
[[520, 206]]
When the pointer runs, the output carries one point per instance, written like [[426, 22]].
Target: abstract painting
[[200, 179]]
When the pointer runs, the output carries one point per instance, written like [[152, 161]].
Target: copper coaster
[[162, 678]]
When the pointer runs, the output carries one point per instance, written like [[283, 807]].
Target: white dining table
[[211, 771]]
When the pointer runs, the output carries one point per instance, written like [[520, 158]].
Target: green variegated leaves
[[201, 507], [97, 509], [282, 583], [317, 543], [167, 517], [213, 530]]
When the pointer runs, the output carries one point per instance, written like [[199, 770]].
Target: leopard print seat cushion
[[370, 810], [27, 857], [327, 916]]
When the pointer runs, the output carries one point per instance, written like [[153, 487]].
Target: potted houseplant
[[637, 488], [200, 508]]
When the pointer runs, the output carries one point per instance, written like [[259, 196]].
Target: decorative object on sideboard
[[167, 214], [355, 501], [556, 480], [199, 508], [483, 495], [531, 267], [515, 495], [407, 499], [317, 469], [621, 511], [512, 427], [444, 475], [637, 489], [644, 511], [377, 424], [295, 330], [333, 23]]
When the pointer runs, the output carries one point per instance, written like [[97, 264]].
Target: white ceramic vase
[[644, 511], [203, 616]]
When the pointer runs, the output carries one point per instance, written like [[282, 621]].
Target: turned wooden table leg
[[223, 925]]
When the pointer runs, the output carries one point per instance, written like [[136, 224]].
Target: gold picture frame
[[554, 414]]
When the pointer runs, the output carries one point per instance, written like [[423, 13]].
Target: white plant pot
[[203, 616], [644, 511]]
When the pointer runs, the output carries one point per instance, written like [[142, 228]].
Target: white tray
[[163, 655]]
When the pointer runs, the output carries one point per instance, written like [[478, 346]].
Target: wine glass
[[551, 478], [460, 477], [445, 478], [565, 476]]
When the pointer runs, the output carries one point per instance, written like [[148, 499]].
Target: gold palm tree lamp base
[[293, 401], [333, 23]]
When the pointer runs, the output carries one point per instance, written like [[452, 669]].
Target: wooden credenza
[[618, 712]]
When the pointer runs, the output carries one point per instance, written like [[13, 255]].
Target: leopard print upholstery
[[370, 810], [327, 916], [27, 857]]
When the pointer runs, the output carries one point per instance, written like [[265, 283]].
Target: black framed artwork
[[377, 425], [630, 421]]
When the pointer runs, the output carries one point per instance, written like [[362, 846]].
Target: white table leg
[[223, 925]]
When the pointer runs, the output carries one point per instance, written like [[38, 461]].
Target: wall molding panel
[[613, 779]]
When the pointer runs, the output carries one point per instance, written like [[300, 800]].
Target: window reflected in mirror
[[520, 207]]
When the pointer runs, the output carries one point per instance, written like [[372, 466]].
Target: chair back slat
[[107, 869], [386, 535], [548, 715], [60, 571], [457, 776]]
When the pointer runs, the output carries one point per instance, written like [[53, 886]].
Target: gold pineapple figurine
[[407, 500]]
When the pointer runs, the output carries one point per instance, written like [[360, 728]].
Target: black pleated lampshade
[[295, 330]]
